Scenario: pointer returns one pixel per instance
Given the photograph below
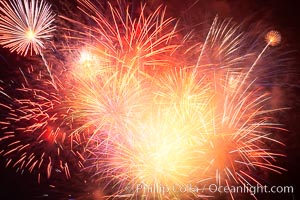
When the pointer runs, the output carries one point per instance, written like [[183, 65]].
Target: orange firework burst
[[240, 134], [273, 38]]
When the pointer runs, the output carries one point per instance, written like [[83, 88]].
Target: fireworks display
[[134, 102]]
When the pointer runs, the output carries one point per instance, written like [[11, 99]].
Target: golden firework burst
[[273, 38]]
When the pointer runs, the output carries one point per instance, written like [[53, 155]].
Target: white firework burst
[[25, 25]]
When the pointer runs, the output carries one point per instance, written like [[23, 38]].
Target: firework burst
[[25, 26], [273, 38], [133, 41], [240, 136], [111, 102], [34, 129]]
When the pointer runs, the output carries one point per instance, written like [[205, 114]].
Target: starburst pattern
[[26, 25]]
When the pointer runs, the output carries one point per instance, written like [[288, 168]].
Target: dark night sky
[[283, 15]]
